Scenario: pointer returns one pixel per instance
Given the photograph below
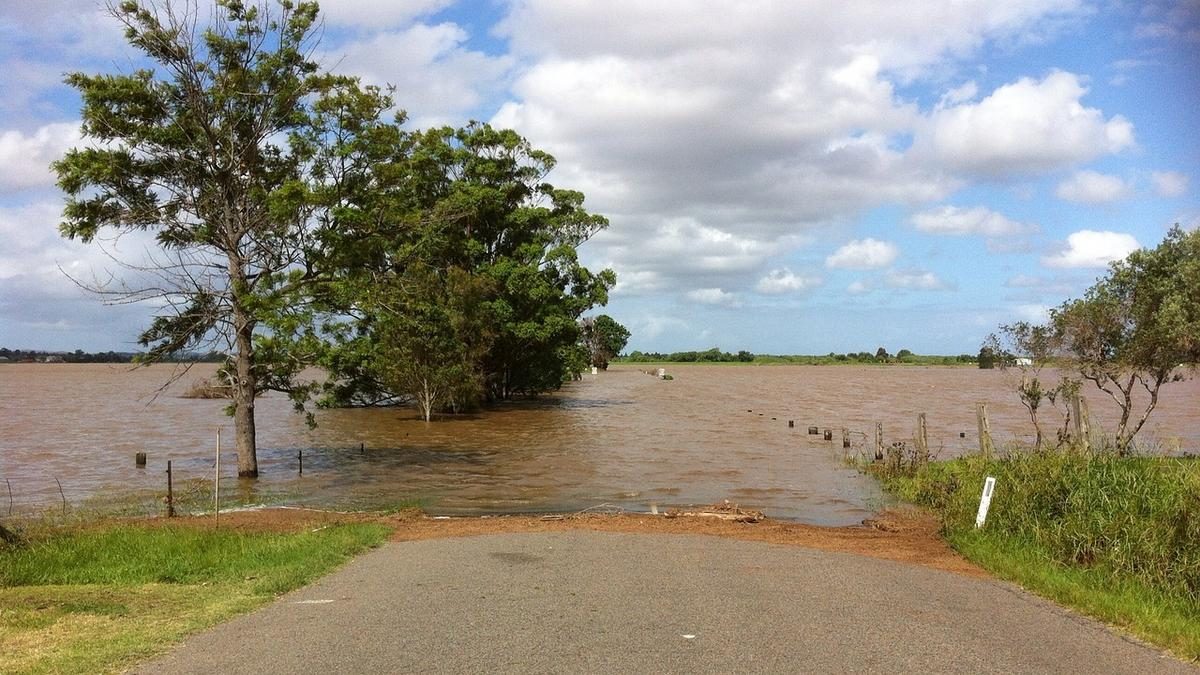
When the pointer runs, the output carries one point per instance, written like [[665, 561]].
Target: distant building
[[54, 358], [1022, 361]]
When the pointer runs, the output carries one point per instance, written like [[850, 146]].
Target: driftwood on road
[[724, 510]]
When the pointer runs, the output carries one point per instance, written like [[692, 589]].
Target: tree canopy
[[1138, 327], [460, 228], [1135, 329], [297, 227], [198, 150], [604, 339]]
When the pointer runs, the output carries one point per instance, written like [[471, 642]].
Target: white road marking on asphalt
[[689, 637], [312, 602]]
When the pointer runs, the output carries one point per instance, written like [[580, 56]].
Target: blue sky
[[779, 176]]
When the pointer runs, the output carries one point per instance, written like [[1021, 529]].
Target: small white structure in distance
[[1023, 361]]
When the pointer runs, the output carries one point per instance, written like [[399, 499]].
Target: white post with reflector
[[985, 501]]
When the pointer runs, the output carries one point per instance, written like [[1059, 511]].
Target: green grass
[[1164, 618], [1116, 538], [100, 598]]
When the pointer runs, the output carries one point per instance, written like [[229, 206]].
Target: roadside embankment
[[1116, 538]]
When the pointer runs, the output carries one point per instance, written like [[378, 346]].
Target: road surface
[[580, 602]]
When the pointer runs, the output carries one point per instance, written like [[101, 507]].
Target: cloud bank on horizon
[[780, 177]]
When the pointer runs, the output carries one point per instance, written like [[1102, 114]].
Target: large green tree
[[471, 207], [1137, 327], [431, 336], [604, 338], [212, 148]]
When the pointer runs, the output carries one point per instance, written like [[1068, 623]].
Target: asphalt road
[[577, 602]]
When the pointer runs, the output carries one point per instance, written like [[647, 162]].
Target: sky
[[780, 176]]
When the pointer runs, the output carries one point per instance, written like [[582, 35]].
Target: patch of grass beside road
[[1115, 538], [99, 598]]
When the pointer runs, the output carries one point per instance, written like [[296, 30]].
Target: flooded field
[[621, 438]]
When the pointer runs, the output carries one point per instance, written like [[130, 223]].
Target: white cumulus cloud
[[1091, 187], [863, 254], [784, 280], [1027, 126], [859, 287], [1089, 248], [918, 280], [712, 296], [978, 220], [664, 112], [1169, 183], [25, 158], [437, 78]]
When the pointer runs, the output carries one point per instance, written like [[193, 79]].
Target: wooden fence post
[[922, 439], [1082, 432], [170, 493], [985, 431], [878, 441]]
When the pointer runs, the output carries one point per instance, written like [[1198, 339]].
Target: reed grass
[[1118, 538]]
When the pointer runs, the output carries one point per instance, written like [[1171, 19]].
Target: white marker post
[[985, 501]]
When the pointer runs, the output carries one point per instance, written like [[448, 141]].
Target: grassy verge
[[1118, 539], [99, 598]]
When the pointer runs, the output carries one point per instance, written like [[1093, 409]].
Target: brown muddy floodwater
[[622, 438]]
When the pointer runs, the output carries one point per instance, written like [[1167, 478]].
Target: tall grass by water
[[1115, 537]]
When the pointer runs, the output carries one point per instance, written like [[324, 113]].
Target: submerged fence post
[[300, 460], [985, 432], [922, 439], [845, 437], [61, 494], [1082, 433], [170, 493], [10, 496], [878, 441]]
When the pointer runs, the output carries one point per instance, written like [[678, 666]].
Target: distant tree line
[[80, 356], [715, 355]]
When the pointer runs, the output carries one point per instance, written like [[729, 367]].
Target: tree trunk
[[426, 399], [243, 396], [1124, 438]]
